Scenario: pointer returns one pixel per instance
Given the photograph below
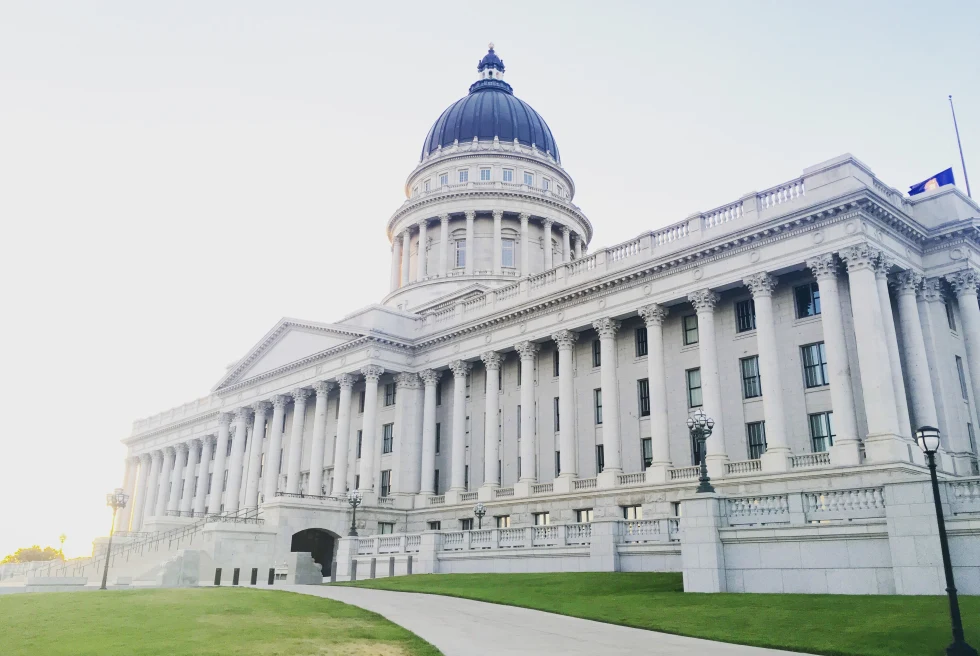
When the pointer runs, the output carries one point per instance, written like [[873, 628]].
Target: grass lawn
[[820, 624], [196, 621]]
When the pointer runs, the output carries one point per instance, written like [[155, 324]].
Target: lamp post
[[700, 426], [115, 500], [479, 510], [354, 499], [927, 438], [61, 539]]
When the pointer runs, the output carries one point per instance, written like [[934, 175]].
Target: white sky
[[175, 177]]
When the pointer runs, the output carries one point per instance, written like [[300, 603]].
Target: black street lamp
[[700, 426], [354, 499], [479, 510], [116, 500], [927, 438]]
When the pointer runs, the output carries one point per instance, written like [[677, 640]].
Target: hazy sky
[[175, 177]]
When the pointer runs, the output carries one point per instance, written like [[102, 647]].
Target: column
[[261, 411], [273, 453], [704, 302], [528, 352], [846, 447], [180, 463], [548, 253], [525, 245], [443, 249], [129, 487], [882, 268], [964, 285], [654, 315], [142, 490], [296, 440], [406, 257], [430, 379], [460, 370], [612, 448], [369, 427], [153, 485], [346, 384], [916, 360], [491, 451], [233, 496], [498, 254], [470, 244], [406, 457], [319, 445], [190, 473], [163, 494], [220, 458], [420, 262], [882, 443], [578, 247], [200, 495], [395, 277], [566, 246], [567, 447]]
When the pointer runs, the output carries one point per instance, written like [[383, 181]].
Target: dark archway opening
[[318, 542]]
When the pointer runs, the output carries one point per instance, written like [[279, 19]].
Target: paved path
[[461, 627]]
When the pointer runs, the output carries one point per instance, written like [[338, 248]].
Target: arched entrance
[[319, 542]]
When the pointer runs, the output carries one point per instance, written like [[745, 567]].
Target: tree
[[31, 554]]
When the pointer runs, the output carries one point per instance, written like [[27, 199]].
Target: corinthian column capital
[[280, 401], [565, 339], [430, 376], [823, 267], [653, 314], [211, 439], [224, 418], [498, 215], [145, 459], [372, 372], [407, 381], [300, 394], [606, 327], [964, 282], [459, 368], [261, 407], [907, 282], [860, 256], [524, 217], [883, 265], [491, 360], [243, 414], [760, 284], [703, 300], [322, 387], [931, 290], [527, 349], [346, 381]]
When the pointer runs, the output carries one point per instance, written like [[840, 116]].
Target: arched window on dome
[[509, 248]]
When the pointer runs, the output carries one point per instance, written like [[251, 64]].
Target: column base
[[453, 494], [564, 484], [845, 453], [716, 465], [658, 472], [523, 488], [608, 479], [776, 460], [485, 492], [887, 447]]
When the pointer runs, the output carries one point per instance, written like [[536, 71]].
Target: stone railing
[[436, 500], [844, 505], [413, 542], [469, 496], [684, 473], [365, 546], [806, 507], [585, 483], [964, 496], [743, 467], [652, 530], [759, 510], [632, 479], [503, 492], [386, 501], [808, 460], [542, 488]]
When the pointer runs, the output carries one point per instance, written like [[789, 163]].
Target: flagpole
[[966, 178]]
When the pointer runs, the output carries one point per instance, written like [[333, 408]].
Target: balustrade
[[845, 505], [743, 467], [684, 473], [585, 483], [761, 510], [807, 460], [501, 492], [964, 496], [632, 479], [542, 488]]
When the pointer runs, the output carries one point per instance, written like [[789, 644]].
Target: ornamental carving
[[498, 215], [157, 456], [194, 444], [931, 290], [145, 459], [300, 395], [372, 372], [346, 381], [491, 360], [407, 381], [760, 284], [527, 350], [606, 327], [444, 219], [823, 267], [860, 257], [459, 368], [430, 376], [964, 282], [524, 217], [565, 339], [653, 314], [169, 451], [243, 414], [322, 388], [210, 440], [565, 230], [280, 401], [907, 282], [224, 418], [884, 266], [703, 300], [261, 407]]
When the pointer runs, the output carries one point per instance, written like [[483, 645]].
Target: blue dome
[[490, 110]]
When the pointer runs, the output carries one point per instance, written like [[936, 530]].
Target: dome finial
[[491, 46]]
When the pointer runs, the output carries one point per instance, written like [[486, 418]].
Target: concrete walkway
[[461, 627]]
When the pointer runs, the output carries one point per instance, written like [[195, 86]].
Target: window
[[690, 323], [600, 458], [583, 515], [387, 438], [435, 526], [443, 179], [386, 528], [542, 519], [807, 300], [596, 353], [694, 388], [500, 472], [555, 403], [508, 248], [508, 175], [357, 481], [466, 477], [518, 460], [641, 341], [360, 435], [360, 403], [435, 482], [228, 449], [597, 394], [438, 437], [821, 431], [385, 482], [224, 481], [555, 364], [460, 253], [675, 508], [390, 394], [972, 436], [745, 315], [485, 175], [439, 393], [756, 434], [632, 512], [557, 464], [464, 175], [751, 382], [545, 184], [415, 191], [962, 375], [426, 185], [814, 365], [466, 524], [643, 390], [518, 428], [950, 319], [528, 179], [646, 451], [210, 479], [502, 521], [519, 372], [560, 190]]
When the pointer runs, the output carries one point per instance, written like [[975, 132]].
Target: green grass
[[821, 624], [196, 621]]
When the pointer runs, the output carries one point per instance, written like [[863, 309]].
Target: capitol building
[[515, 363]]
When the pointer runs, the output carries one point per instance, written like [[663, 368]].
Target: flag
[[935, 182]]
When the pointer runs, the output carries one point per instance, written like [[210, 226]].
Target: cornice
[[452, 155], [159, 430]]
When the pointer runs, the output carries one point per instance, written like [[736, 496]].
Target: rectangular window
[[387, 438], [228, 449], [427, 185], [600, 458], [460, 253], [690, 329], [466, 477], [507, 253], [500, 472], [745, 315], [756, 437], [466, 524], [438, 437], [385, 482], [518, 422], [751, 381], [814, 365], [518, 466], [210, 479], [632, 512], [557, 464], [508, 175], [694, 388], [545, 184], [555, 364], [435, 526], [641, 341], [390, 394], [972, 436], [597, 395], [502, 521], [415, 191], [360, 435], [464, 175], [555, 403], [519, 372], [443, 179], [542, 518], [807, 300], [821, 431], [596, 352], [386, 528], [435, 481], [950, 319], [643, 391], [528, 179], [646, 451], [357, 481], [583, 515], [439, 393], [224, 481], [962, 375], [484, 175], [360, 403]]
